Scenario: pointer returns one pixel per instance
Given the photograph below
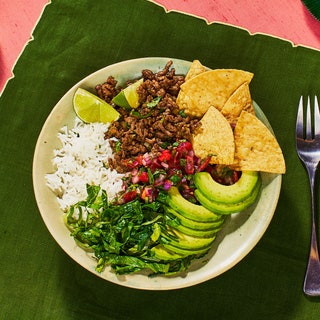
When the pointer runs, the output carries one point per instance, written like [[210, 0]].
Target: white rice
[[81, 160]]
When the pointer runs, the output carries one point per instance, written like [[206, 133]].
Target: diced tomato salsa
[[176, 166]]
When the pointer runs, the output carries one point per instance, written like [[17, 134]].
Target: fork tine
[[299, 124], [316, 118], [308, 123]]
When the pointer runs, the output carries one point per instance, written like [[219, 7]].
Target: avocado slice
[[218, 192], [161, 253], [189, 210], [191, 232], [181, 240], [227, 208], [195, 225], [185, 252]]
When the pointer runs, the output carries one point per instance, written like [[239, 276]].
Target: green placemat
[[75, 38], [314, 7]]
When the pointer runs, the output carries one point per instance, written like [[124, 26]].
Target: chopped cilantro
[[154, 102]]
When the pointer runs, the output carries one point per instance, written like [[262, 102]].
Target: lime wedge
[[90, 108], [121, 101], [128, 97]]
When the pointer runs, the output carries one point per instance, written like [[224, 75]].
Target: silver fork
[[308, 149]]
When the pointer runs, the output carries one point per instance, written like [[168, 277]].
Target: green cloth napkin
[[75, 38]]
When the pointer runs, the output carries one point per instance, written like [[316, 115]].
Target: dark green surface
[[73, 39], [314, 7]]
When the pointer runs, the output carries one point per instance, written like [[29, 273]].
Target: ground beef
[[153, 125], [108, 89]]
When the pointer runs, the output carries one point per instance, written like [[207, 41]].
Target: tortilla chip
[[238, 101], [256, 148], [189, 106], [195, 69], [210, 88], [214, 138]]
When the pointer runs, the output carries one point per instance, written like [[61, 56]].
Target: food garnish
[[90, 108], [128, 98]]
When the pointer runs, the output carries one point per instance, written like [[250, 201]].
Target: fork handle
[[311, 286]]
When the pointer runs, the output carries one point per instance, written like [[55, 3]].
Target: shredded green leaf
[[121, 236]]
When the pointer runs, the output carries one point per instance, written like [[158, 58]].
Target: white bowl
[[238, 237]]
